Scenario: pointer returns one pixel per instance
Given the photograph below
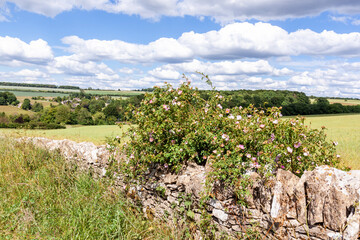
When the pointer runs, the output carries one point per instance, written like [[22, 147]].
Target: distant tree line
[[37, 85], [292, 102]]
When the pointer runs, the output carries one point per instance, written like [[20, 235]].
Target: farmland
[[344, 102], [344, 129], [30, 94], [55, 92]]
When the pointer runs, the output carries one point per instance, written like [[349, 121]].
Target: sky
[[308, 46]]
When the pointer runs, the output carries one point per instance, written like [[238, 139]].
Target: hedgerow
[[174, 126]]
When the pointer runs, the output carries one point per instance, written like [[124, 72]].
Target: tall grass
[[44, 197]]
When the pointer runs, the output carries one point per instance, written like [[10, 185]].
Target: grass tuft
[[44, 197]]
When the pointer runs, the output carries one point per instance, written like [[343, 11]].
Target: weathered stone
[[353, 221], [221, 215], [170, 178], [282, 203]]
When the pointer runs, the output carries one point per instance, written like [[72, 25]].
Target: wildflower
[[335, 143], [298, 158], [226, 137], [151, 139], [306, 154], [181, 150], [253, 158], [173, 141], [288, 160], [220, 115], [219, 106], [215, 151], [249, 115], [282, 166], [151, 101], [227, 110], [222, 145], [231, 116], [277, 157], [289, 149], [204, 157], [166, 166], [206, 110], [297, 145], [179, 92], [248, 155], [171, 131], [238, 117], [241, 146], [262, 126], [132, 156], [272, 137], [166, 107], [338, 156], [275, 121], [215, 137], [256, 165]]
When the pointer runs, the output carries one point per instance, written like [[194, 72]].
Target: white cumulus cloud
[[16, 50]]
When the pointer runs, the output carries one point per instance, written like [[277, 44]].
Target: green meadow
[[344, 129]]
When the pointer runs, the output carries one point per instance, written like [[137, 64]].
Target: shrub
[[175, 126]]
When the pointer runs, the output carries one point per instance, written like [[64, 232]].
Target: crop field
[[36, 93], [38, 89], [344, 102], [95, 134], [344, 129], [9, 110]]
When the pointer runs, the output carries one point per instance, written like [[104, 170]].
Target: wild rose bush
[[175, 126]]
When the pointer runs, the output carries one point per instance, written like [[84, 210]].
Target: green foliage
[[37, 107], [175, 126], [7, 98], [26, 104]]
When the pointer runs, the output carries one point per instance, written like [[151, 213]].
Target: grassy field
[[12, 110], [341, 101], [344, 129], [344, 102], [95, 134], [45, 103], [44, 197]]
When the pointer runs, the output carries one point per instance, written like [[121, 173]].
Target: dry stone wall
[[322, 204]]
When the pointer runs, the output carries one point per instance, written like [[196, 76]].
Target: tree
[[26, 104], [62, 114], [37, 107], [84, 117]]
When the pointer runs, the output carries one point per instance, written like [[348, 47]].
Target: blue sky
[[309, 46]]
